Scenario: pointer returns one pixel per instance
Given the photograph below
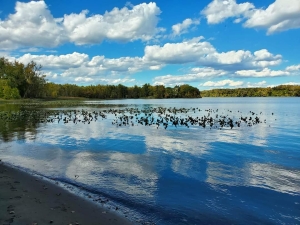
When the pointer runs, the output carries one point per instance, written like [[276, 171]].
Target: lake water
[[179, 175]]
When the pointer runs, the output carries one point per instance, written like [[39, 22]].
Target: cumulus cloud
[[181, 28], [228, 60], [194, 75], [51, 75], [266, 72], [77, 61], [122, 64], [222, 83], [204, 54], [219, 10], [117, 81], [67, 61], [291, 83], [119, 24], [83, 79], [257, 84], [33, 25], [279, 16], [176, 53], [264, 58], [293, 68], [79, 67], [233, 84], [235, 60]]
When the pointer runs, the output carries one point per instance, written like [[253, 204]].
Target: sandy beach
[[27, 199]]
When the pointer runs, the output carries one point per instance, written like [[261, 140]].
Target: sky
[[205, 43]]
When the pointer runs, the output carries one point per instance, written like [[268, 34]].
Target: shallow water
[[178, 175]]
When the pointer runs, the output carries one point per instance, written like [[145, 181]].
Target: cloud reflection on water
[[123, 172], [274, 177], [260, 175]]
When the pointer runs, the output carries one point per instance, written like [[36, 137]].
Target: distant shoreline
[[100, 99]]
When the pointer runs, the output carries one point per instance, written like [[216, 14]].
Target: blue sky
[[207, 44]]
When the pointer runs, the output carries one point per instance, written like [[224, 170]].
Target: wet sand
[[27, 199]]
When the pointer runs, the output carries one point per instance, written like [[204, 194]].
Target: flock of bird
[[151, 116]]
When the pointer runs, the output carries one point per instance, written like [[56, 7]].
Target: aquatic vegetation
[[151, 116], [20, 117]]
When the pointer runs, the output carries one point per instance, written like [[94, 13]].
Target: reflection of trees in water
[[15, 124]]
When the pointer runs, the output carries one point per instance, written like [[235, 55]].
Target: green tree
[[146, 90], [10, 93], [28, 79], [51, 90], [187, 91]]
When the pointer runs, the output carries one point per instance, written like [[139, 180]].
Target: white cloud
[[181, 28], [264, 58], [238, 20], [240, 60], [83, 79], [76, 63], [257, 84], [176, 53], [194, 75], [51, 75], [231, 57], [203, 53], [293, 68], [117, 81], [67, 61], [266, 72], [119, 25], [291, 83], [223, 83], [122, 64], [219, 10], [79, 67], [33, 25], [279, 16], [233, 84]]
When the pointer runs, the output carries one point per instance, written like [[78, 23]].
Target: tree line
[[119, 91], [27, 81], [278, 91]]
